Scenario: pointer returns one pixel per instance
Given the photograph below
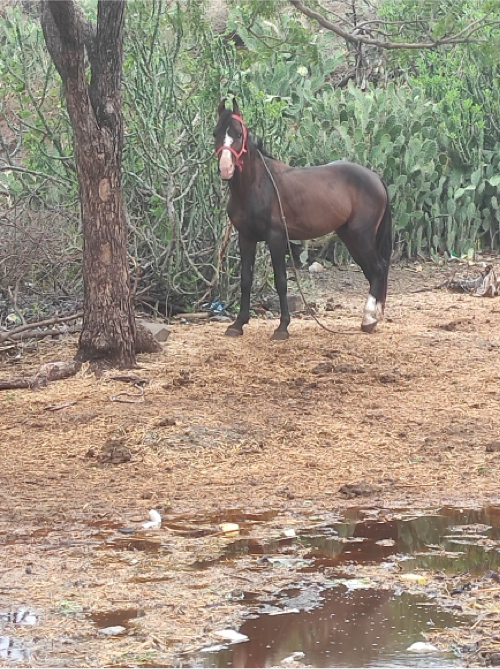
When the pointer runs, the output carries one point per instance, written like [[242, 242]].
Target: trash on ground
[[232, 636], [154, 522]]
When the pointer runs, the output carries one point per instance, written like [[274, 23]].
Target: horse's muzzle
[[226, 165]]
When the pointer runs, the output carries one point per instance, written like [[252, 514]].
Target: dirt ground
[[247, 430]]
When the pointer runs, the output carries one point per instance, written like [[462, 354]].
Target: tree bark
[[95, 110]]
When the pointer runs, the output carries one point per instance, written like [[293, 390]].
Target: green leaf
[[476, 176], [471, 211], [460, 191]]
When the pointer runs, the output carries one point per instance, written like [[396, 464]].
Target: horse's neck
[[243, 180]]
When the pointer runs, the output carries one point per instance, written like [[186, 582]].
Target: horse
[[274, 203]]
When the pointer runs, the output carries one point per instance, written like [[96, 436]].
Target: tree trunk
[[95, 110]]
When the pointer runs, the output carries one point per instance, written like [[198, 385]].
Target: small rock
[[389, 377], [114, 452], [295, 303], [112, 631], [493, 659], [159, 331], [351, 490], [166, 422], [493, 447], [323, 368], [229, 528], [316, 268], [145, 342]]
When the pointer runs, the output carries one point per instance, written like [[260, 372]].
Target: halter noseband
[[238, 155]]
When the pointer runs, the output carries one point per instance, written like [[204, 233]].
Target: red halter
[[238, 155]]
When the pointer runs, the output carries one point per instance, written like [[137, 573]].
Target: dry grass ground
[[229, 430]]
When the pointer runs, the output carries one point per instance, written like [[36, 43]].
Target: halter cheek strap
[[238, 155]]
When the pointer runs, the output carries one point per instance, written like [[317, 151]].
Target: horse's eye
[[239, 135]]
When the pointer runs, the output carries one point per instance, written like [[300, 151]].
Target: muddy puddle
[[105, 620], [345, 621], [12, 648], [339, 613], [449, 540], [359, 628]]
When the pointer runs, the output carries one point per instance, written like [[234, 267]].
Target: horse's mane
[[260, 146]]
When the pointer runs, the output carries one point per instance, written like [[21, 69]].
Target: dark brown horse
[[267, 195]]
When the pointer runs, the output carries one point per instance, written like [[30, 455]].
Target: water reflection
[[20, 616], [360, 628], [450, 540], [11, 650], [10, 647], [368, 628]]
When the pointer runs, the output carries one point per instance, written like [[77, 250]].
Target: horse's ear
[[222, 106], [236, 109]]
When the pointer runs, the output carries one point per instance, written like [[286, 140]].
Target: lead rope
[[283, 219]]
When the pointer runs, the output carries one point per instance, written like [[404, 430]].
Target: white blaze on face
[[226, 164]]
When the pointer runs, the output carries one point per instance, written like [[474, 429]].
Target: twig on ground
[[13, 335]]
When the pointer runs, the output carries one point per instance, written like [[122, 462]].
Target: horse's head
[[230, 140]]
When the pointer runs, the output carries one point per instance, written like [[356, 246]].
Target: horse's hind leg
[[277, 248], [247, 253], [363, 250]]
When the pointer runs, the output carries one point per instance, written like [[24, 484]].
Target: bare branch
[[24, 170], [13, 334], [51, 371], [43, 334], [464, 36]]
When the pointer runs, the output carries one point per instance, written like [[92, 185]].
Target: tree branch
[[51, 371], [12, 335], [68, 34], [463, 36], [106, 62], [62, 33]]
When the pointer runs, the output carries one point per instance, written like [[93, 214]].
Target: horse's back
[[357, 175], [335, 176], [322, 198]]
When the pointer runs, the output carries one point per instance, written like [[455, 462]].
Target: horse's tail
[[384, 243]]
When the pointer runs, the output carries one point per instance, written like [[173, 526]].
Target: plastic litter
[[422, 647], [154, 522], [232, 636]]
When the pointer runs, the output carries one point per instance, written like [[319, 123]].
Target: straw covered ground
[[265, 434]]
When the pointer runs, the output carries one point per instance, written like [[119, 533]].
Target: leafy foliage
[[432, 133]]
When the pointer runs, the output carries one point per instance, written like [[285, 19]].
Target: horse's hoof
[[233, 332], [279, 335], [369, 327]]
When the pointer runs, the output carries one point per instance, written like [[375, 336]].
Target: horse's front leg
[[247, 255], [277, 247]]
